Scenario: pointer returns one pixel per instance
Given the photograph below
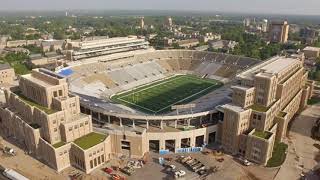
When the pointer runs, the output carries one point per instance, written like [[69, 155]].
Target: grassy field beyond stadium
[[158, 97]]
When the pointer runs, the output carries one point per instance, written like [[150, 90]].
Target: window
[[91, 164], [76, 127], [254, 116], [60, 92], [55, 129], [55, 94], [259, 117], [99, 160], [95, 162], [102, 158], [86, 123], [70, 128]]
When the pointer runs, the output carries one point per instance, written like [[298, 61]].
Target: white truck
[[13, 175]]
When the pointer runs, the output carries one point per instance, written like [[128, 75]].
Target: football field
[[158, 97]]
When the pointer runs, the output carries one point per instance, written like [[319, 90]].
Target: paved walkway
[[301, 151]]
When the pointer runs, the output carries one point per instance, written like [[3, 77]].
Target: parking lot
[[228, 169]]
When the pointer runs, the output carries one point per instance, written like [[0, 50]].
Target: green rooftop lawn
[[34, 104], [278, 155], [90, 140], [281, 114], [59, 144], [259, 108], [261, 134]]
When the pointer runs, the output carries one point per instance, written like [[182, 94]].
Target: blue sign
[[66, 72], [188, 150], [163, 152]]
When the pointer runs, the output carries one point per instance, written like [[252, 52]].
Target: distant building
[[311, 52], [169, 23], [278, 32], [7, 74], [50, 60], [309, 35], [142, 22], [222, 44], [52, 45], [3, 41], [106, 46], [17, 50], [209, 37], [188, 43], [246, 22], [264, 25], [16, 43]]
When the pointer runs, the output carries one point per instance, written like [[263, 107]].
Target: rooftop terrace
[[90, 140], [34, 104], [271, 66], [59, 144], [262, 134]]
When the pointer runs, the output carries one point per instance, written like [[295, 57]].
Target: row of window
[[96, 152], [77, 126], [55, 93], [96, 161]]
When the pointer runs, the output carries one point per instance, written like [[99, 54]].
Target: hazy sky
[[247, 6]]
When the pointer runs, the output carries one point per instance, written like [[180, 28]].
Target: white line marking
[[120, 98]]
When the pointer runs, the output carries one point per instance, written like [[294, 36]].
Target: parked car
[[170, 167], [244, 161], [179, 174], [127, 170], [108, 170], [9, 151], [202, 172], [184, 159], [135, 164], [195, 167], [117, 177], [203, 167]]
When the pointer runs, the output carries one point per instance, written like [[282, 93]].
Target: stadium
[[143, 94]]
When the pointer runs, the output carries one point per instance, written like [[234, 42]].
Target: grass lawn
[[158, 97], [262, 134], [89, 140], [278, 155], [259, 108], [34, 104], [59, 144], [314, 100]]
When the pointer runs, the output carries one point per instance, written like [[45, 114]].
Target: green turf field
[[158, 97]]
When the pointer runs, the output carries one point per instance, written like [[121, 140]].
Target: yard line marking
[[173, 78], [185, 98], [169, 82], [137, 105]]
